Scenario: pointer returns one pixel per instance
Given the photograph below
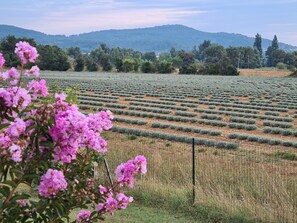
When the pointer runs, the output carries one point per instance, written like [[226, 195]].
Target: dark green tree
[[52, 58], [201, 48], [79, 63], [274, 46], [164, 67], [150, 56], [148, 67], [258, 44]]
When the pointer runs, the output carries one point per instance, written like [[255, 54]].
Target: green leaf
[[4, 190], [30, 128], [20, 197], [10, 183], [47, 143], [2, 126]]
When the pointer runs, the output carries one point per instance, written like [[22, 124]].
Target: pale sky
[[267, 17]]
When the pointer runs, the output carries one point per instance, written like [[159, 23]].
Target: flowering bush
[[49, 148]]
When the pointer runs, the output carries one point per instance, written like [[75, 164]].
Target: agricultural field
[[245, 136], [221, 112]]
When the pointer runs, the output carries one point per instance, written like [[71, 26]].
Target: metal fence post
[[193, 170]]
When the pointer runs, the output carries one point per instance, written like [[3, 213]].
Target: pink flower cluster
[[10, 139], [26, 52], [52, 182], [15, 97], [38, 88], [73, 130], [83, 216], [120, 201], [12, 73], [34, 71], [126, 171]]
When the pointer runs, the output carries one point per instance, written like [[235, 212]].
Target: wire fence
[[254, 181]]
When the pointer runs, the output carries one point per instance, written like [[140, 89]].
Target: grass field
[[244, 129], [264, 72]]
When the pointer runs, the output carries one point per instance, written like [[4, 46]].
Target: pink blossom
[[38, 88], [22, 203], [2, 61], [51, 183], [111, 205], [34, 71], [16, 128], [5, 141], [16, 97], [26, 52], [140, 161], [123, 200], [12, 73], [99, 207], [60, 97], [83, 216], [102, 189], [16, 153], [125, 172]]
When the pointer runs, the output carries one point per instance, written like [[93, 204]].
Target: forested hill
[[158, 39]]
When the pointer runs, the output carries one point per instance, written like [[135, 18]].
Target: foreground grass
[[231, 186], [137, 213]]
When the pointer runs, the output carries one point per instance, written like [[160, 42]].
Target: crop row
[[243, 120], [159, 106], [211, 117], [178, 138], [254, 138], [285, 132], [98, 99], [150, 101], [130, 121], [186, 129], [277, 124], [162, 111], [273, 118]]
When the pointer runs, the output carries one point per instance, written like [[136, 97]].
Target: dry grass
[[248, 183], [264, 72]]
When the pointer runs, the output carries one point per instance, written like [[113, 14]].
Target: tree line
[[206, 58]]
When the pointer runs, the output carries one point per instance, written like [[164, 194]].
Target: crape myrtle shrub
[[50, 148]]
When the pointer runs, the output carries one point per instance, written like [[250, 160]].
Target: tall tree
[[274, 43], [269, 52], [258, 44]]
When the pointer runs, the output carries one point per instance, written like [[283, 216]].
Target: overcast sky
[[248, 17]]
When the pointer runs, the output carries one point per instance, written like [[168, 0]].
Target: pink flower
[[16, 128], [52, 182], [15, 97], [38, 88], [22, 203], [2, 61], [83, 216], [123, 200], [12, 73], [99, 207], [16, 153], [125, 172], [34, 71], [26, 52], [111, 205], [102, 189], [60, 97], [140, 161], [5, 141]]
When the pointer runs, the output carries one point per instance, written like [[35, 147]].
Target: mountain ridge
[[157, 38]]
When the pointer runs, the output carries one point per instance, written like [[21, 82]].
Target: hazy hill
[[159, 38]]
